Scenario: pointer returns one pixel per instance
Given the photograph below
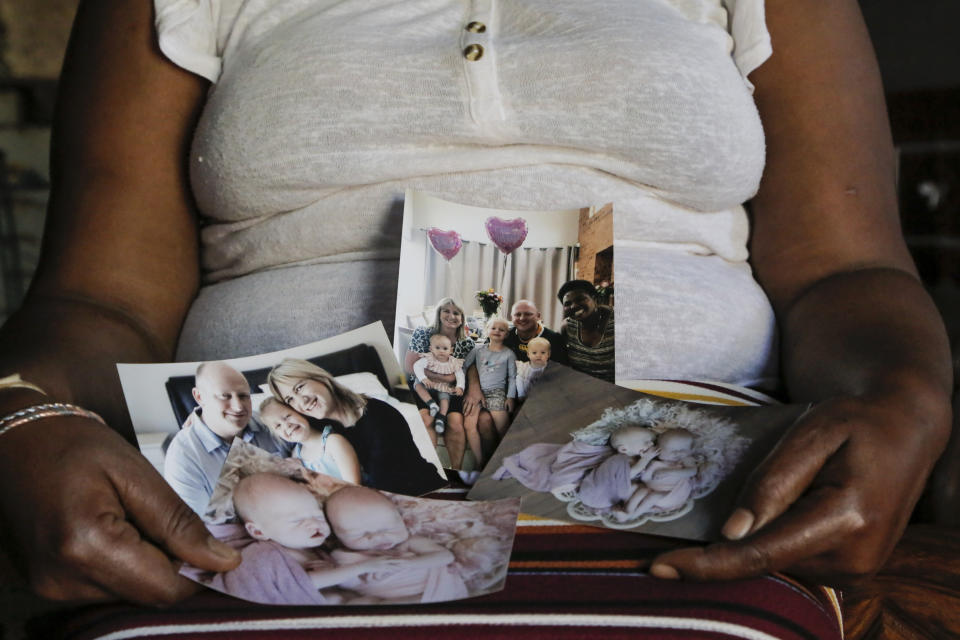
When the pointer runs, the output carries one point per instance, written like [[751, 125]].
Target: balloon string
[[503, 273]]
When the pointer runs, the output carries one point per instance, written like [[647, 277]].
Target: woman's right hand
[[88, 518]]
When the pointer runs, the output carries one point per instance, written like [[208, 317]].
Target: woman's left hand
[[832, 499]]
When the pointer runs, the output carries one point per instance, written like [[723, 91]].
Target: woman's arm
[[860, 337], [89, 517], [411, 359], [345, 457]]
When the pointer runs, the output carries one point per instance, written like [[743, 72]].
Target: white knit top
[[322, 112]]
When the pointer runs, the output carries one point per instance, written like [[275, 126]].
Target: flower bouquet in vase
[[490, 302]]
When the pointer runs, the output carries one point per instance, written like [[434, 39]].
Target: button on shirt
[[196, 455]]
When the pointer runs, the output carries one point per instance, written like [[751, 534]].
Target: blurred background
[[915, 42]]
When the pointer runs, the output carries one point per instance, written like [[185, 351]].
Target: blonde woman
[[379, 434], [449, 320]]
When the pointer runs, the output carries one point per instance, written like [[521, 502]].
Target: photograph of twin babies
[[582, 450], [308, 538], [309, 462]]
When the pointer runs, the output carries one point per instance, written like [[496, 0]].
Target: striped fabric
[[565, 581], [596, 361]]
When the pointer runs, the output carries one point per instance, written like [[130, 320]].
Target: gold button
[[473, 52], [476, 27]]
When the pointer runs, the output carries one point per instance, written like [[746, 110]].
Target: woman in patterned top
[[449, 321], [588, 330]]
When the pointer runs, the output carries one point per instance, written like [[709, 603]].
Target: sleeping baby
[[370, 528]]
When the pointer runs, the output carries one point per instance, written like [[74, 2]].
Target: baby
[[666, 480], [497, 369], [438, 360], [538, 352], [371, 528], [611, 484], [285, 564]]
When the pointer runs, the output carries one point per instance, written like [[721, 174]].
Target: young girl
[[497, 368], [438, 360], [319, 447]]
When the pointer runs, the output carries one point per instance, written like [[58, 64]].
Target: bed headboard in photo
[[355, 359]]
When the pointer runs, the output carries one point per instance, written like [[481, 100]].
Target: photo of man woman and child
[[471, 368], [330, 405], [309, 538]]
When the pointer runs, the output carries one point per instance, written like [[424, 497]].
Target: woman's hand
[[859, 335], [832, 499], [473, 399], [86, 517]]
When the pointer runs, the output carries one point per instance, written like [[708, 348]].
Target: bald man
[[527, 326], [196, 454]]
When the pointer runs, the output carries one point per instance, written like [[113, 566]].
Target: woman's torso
[[326, 111], [388, 456], [596, 358]]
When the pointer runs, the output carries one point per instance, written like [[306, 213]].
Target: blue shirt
[[196, 454]]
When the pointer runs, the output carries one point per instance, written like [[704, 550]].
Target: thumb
[[160, 515]]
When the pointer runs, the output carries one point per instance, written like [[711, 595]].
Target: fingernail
[[224, 551], [664, 572], [738, 524]]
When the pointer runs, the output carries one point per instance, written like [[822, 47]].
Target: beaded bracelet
[[40, 411]]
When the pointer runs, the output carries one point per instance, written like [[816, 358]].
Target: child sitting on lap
[[438, 360], [538, 352], [320, 449], [371, 528]]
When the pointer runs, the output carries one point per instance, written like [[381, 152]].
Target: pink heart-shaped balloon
[[506, 234], [447, 243]]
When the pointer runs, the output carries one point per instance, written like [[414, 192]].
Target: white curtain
[[531, 274]]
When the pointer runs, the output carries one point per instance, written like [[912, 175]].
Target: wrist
[[13, 399]]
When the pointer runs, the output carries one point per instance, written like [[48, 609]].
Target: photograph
[[339, 405], [307, 538], [489, 298], [586, 451]]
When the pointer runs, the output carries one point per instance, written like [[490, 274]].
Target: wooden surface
[[916, 596]]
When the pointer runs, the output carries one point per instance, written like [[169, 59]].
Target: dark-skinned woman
[[588, 330]]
